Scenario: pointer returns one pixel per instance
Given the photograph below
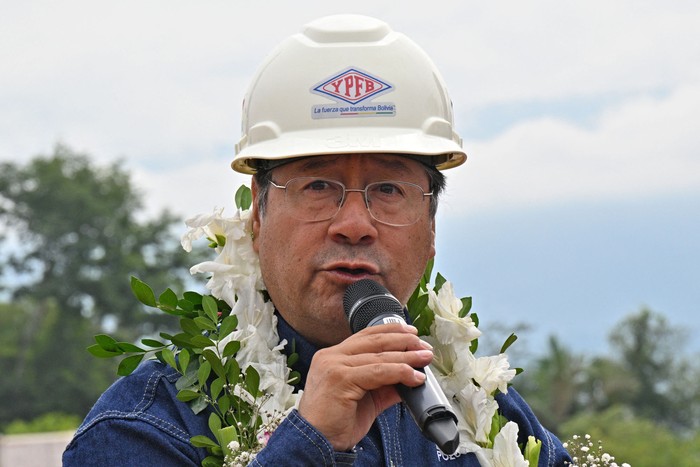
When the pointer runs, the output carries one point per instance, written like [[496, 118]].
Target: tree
[[552, 384], [74, 236], [71, 239], [651, 352], [44, 364]]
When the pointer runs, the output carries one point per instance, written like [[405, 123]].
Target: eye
[[318, 185], [315, 188], [387, 190]]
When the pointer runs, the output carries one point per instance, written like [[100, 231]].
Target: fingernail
[[424, 353], [420, 376], [426, 345]]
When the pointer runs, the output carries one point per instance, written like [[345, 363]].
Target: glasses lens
[[395, 203], [313, 199]]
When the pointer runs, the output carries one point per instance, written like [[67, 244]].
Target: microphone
[[368, 303]]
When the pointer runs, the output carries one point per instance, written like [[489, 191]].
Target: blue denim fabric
[[138, 421]]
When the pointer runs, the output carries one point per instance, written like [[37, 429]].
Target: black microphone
[[368, 303]]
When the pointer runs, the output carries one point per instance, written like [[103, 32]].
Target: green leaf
[[188, 380], [129, 364], [215, 425], [204, 323], [213, 461], [512, 338], [181, 340], [231, 349], [532, 450], [187, 395], [475, 318], [428, 271], [243, 197], [190, 327], [98, 351], [294, 377], [228, 325], [128, 347], [220, 240], [252, 381], [226, 435], [199, 405], [233, 371], [210, 308], [216, 365], [168, 300], [169, 357], [143, 292], [224, 403], [216, 387], [192, 297], [183, 359], [107, 342], [152, 343], [185, 305], [201, 342], [203, 373], [466, 307], [439, 282], [201, 441]]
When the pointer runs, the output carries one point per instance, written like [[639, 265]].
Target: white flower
[[475, 410], [493, 372], [468, 382], [506, 452], [448, 327], [208, 225]]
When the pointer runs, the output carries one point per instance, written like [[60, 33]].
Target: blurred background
[[575, 222]]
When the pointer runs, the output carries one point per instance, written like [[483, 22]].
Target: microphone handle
[[427, 403]]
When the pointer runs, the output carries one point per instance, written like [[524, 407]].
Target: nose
[[353, 224]]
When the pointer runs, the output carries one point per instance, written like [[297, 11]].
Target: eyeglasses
[[389, 202]]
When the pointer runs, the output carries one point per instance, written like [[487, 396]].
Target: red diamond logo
[[352, 86]]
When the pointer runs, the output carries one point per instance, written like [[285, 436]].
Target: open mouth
[[353, 271]]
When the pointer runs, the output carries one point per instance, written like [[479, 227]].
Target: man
[[345, 128]]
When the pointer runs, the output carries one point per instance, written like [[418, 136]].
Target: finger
[[414, 358], [375, 376], [381, 341]]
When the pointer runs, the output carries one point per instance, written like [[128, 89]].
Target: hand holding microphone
[[367, 304]]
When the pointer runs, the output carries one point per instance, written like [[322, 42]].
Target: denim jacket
[[139, 421]]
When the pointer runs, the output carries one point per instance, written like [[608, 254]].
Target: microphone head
[[365, 300]]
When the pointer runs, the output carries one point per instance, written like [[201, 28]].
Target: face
[[307, 266]]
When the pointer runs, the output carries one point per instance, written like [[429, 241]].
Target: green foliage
[[208, 371], [638, 441], [72, 235], [50, 421], [37, 351], [81, 237], [244, 197], [552, 384]]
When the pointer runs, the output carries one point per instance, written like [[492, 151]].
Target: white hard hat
[[347, 84]]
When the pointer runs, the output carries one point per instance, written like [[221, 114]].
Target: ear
[[432, 239], [255, 217]]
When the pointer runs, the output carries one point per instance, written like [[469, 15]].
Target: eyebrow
[[396, 164]]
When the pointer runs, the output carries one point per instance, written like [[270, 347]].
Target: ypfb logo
[[352, 86]]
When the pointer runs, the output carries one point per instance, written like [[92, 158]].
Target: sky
[[578, 205]]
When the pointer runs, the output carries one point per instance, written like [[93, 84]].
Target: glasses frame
[[354, 190]]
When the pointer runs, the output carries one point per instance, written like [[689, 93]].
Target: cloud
[[160, 84], [643, 147]]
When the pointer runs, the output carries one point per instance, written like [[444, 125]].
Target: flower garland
[[251, 393]]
